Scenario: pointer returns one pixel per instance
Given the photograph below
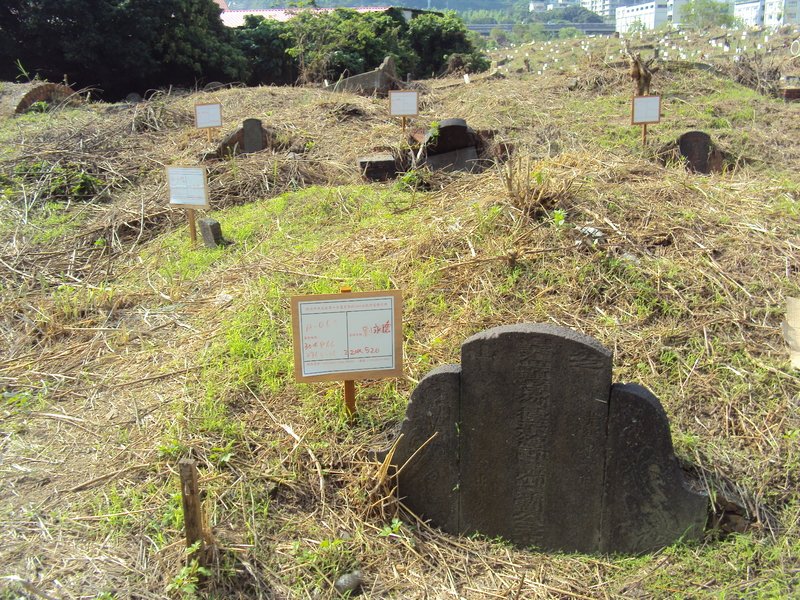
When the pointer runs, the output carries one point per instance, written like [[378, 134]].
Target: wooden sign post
[[644, 110], [347, 336], [208, 117], [188, 187], [350, 384], [403, 104]]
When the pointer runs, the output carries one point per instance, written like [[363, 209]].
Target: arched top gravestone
[[528, 439]]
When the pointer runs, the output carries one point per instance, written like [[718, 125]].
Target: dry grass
[[120, 357]]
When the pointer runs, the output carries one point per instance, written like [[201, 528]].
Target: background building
[[604, 8], [652, 14]]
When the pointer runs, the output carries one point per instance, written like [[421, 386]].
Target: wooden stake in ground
[[192, 510], [349, 384], [190, 215]]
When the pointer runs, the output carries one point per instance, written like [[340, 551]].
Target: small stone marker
[[253, 138], [211, 231], [377, 167], [527, 439]]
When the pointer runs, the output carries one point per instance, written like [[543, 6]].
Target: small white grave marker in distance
[[403, 103], [188, 186], [207, 115], [645, 109]]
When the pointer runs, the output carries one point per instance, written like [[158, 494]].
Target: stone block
[[450, 135], [647, 504], [533, 407], [465, 159], [429, 482], [211, 231], [377, 167]]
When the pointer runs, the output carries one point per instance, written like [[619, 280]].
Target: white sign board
[[188, 186], [645, 109], [207, 115], [403, 104], [347, 336]]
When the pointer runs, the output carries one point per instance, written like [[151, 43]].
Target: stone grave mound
[[252, 136], [454, 146], [528, 439], [17, 98], [697, 151]]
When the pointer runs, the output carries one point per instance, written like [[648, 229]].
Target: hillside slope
[[125, 349]]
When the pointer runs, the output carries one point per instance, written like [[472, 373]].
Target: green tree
[[569, 14], [265, 44], [566, 33], [326, 45], [119, 45], [433, 38], [705, 14]]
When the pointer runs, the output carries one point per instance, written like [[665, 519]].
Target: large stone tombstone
[[527, 439]]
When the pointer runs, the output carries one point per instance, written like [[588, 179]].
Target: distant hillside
[[459, 5]]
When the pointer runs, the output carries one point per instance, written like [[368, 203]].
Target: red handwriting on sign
[[323, 345], [366, 350], [377, 328], [323, 324]]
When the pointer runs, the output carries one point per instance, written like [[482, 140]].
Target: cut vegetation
[[125, 349]]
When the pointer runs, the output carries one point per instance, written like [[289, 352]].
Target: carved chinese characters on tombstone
[[527, 439]]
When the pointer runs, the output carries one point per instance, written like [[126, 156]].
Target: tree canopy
[[118, 45], [317, 46], [134, 45], [705, 14]]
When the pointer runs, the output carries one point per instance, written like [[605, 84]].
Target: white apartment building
[[604, 8], [543, 5], [769, 13], [649, 14], [751, 12], [781, 12], [652, 14]]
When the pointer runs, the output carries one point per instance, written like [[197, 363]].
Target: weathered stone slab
[[377, 167], [465, 159], [253, 135], [526, 440], [211, 231], [429, 482], [647, 504], [380, 81], [533, 409]]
